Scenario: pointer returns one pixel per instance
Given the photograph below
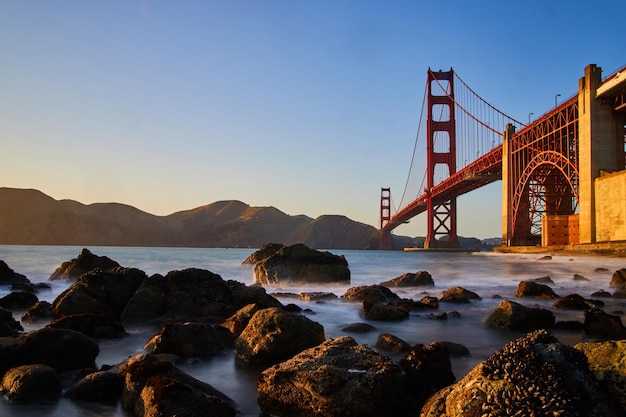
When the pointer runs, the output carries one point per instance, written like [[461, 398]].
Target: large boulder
[[10, 277], [41, 311], [192, 295], [607, 361], [8, 325], [576, 302], [298, 263], [155, 388], [263, 253], [31, 382], [382, 312], [534, 289], [410, 279], [101, 386], [92, 325], [391, 343], [532, 375], [600, 324], [83, 263], [274, 334], [618, 280], [510, 315], [104, 293], [371, 293], [457, 295], [190, 340], [21, 300], [336, 378], [239, 321], [59, 348]]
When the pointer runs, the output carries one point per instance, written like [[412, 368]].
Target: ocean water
[[490, 275]]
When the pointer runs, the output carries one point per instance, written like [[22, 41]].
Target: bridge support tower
[[385, 216]]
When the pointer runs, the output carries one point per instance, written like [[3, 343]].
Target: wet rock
[[544, 280], [317, 296], [510, 315], [576, 302], [371, 293], [40, 312], [391, 343], [455, 349], [601, 269], [534, 290], [337, 378], [545, 258], [92, 325], [190, 340], [418, 279], [430, 302], [358, 328], [18, 300], [297, 263], [532, 375], [608, 364], [59, 348], [292, 308], [578, 277], [31, 382], [604, 325], [263, 253], [273, 335], [154, 388], [618, 280], [601, 294], [192, 295], [83, 263], [104, 293], [457, 295], [8, 325], [10, 277], [238, 321], [382, 312], [31, 287], [101, 387], [569, 325]]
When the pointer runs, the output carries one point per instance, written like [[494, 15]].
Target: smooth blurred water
[[487, 274]]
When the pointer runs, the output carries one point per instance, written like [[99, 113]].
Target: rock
[[382, 312], [569, 325], [532, 375], [455, 349], [273, 335], [358, 328], [190, 340], [535, 290], [317, 296], [619, 294], [430, 302], [292, 308], [418, 279], [601, 294], [238, 321], [31, 287], [545, 258], [155, 388], [606, 361], [263, 253], [31, 382], [601, 269], [578, 277], [618, 280], [41, 311], [83, 263], [92, 325], [192, 295], [104, 293], [8, 325], [10, 277], [601, 324], [457, 295], [371, 293], [59, 348], [544, 280], [337, 378], [102, 387], [297, 263], [510, 315], [576, 302], [391, 343], [18, 300]]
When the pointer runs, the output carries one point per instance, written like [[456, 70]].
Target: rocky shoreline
[[300, 371]]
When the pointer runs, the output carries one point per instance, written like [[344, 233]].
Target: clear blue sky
[[307, 106]]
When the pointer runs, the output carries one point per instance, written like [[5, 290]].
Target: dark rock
[[601, 324], [619, 294], [601, 270], [533, 375], [238, 321], [92, 325], [371, 293], [457, 295], [535, 290], [31, 382], [104, 293], [391, 343], [418, 279], [59, 348], [618, 280], [18, 300], [102, 387], [336, 378], [578, 277], [292, 308], [154, 388], [382, 312], [606, 361], [576, 302], [510, 315], [263, 253], [317, 296], [358, 328], [297, 263], [455, 349], [544, 280], [10, 277], [194, 295], [569, 325], [601, 294], [273, 335], [430, 302], [31, 287], [8, 325], [545, 258], [190, 340], [85, 262], [41, 311]]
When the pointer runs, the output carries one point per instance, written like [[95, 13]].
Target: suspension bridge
[[550, 169]]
